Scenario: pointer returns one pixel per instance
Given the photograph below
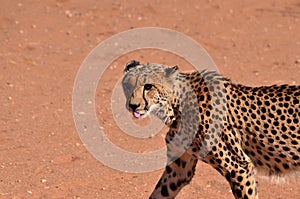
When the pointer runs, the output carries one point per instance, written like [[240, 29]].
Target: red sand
[[43, 43]]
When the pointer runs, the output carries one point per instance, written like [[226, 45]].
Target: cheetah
[[234, 128]]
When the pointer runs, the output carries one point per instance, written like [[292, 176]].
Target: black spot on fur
[[168, 169], [173, 186], [164, 191], [178, 162]]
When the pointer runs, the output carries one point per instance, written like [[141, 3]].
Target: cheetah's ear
[[170, 71], [131, 64]]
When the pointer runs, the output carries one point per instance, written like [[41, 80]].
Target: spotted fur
[[234, 128]]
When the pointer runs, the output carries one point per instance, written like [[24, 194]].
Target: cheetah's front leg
[[231, 161], [176, 175]]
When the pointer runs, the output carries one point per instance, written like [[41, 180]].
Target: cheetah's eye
[[148, 87]]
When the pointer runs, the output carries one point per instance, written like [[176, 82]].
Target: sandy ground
[[42, 45]]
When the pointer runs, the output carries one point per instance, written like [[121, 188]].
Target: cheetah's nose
[[133, 106]]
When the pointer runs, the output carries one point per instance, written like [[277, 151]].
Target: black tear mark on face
[[131, 64], [146, 88]]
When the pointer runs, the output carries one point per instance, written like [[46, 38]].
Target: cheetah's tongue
[[136, 114]]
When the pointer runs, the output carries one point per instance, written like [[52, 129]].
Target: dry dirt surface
[[42, 45]]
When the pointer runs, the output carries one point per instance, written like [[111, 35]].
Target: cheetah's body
[[233, 128]]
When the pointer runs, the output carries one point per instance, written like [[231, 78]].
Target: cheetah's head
[[149, 88]]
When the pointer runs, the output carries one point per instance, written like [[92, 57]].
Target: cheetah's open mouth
[[139, 114], [136, 114], [143, 113]]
